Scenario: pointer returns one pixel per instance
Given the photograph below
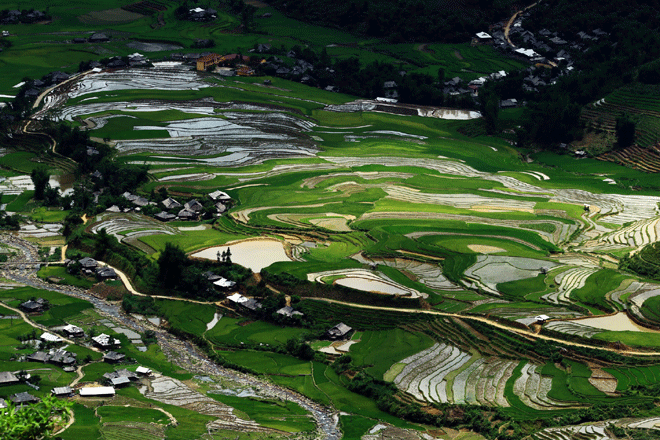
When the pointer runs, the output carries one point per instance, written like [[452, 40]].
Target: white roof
[[219, 195], [483, 35], [104, 339], [526, 52], [97, 70], [237, 298], [72, 328], [97, 391], [542, 317], [197, 10], [143, 370], [51, 337], [222, 282]]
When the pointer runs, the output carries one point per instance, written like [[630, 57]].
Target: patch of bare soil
[[603, 381], [109, 292]]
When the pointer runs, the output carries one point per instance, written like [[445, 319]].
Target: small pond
[[253, 254]]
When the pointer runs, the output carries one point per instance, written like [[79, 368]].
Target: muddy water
[[370, 285], [253, 254], [617, 322]]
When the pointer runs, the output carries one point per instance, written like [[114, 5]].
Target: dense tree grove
[[401, 20]]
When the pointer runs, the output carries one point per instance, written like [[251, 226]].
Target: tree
[[171, 263], [37, 422], [489, 104], [40, 179], [625, 131]]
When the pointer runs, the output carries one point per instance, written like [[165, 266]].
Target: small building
[[288, 311], [219, 196], [8, 378], [207, 61], [144, 371], [97, 392], [121, 373], [170, 203], [164, 216], [237, 298], [62, 391], [509, 103], [23, 398], [119, 382], [3, 403], [106, 273], [220, 208], [112, 357], [194, 206], [49, 337], [37, 356], [32, 306], [340, 331], [224, 283], [186, 214], [541, 319], [61, 358], [98, 38], [105, 341], [251, 304], [88, 263], [73, 331]]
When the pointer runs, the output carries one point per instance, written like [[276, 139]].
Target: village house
[[105, 341], [119, 382], [194, 206], [106, 273], [143, 371], [88, 264], [121, 373], [36, 306], [340, 331], [289, 312], [62, 391], [219, 196], [38, 356], [73, 331], [170, 203], [8, 378], [207, 61], [224, 284], [112, 357], [164, 216], [97, 392], [49, 337], [186, 214], [24, 398]]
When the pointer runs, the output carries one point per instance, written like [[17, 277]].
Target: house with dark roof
[[170, 203], [98, 38], [38, 356], [194, 206], [289, 312], [121, 373], [106, 273], [219, 196], [164, 216], [62, 358], [119, 382], [112, 357], [340, 331], [24, 398], [88, 263], [186, 214], [32, 306]]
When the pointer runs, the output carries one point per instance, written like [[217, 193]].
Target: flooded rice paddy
[[253, 254]]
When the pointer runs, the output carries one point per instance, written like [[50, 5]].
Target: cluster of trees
[[401, 20], [645, 262]]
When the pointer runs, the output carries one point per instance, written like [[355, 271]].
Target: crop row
[[568, 281], [573, 328], [644, 159], [532, 388]]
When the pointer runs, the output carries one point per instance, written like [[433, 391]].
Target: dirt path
[[527, 333], [507, 27], [79, 376]]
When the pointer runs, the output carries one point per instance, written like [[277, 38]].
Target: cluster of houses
[[192, 209], [91, 267], [227, 65], [14, 16], [98, 37], [114, 380]]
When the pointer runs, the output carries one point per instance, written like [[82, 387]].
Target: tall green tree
[[171, 263], [40, 179], [625, 131]]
